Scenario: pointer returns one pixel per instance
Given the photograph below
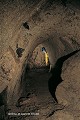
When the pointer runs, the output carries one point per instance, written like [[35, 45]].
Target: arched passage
[[46, 27], [39, 58], [55, 51]]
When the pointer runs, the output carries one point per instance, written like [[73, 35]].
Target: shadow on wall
[[3, 104], [56, 71]]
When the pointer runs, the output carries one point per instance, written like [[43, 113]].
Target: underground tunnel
[[34, 36]]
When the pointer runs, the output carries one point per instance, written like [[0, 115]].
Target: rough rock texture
[[61, 115], [55, 27], [38, 58], [68, 91]]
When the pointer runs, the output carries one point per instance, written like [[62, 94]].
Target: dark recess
[[26, 26], [56, 71]]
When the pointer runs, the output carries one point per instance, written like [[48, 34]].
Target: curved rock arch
[[14, 31], [52, 49]]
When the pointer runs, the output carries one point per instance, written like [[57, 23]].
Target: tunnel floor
[[39, 104]]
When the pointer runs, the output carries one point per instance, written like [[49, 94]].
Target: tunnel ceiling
[[38, 14]]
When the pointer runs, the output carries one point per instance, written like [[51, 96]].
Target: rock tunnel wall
[[38, 58], [55, 27]]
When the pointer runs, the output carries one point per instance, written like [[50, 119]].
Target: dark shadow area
[[40, 69], [1, 100], [64, 2], [56, 79], [26, 26], [19, 51], [3, 104]]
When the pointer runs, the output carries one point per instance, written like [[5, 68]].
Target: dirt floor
[[39, 105]]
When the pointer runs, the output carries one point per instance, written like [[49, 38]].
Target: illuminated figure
[[46, 55]]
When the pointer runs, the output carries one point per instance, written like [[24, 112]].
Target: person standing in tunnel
[[46, 58], [56, 71], [46, 55]]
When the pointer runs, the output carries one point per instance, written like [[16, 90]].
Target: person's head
[[43, 49]]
